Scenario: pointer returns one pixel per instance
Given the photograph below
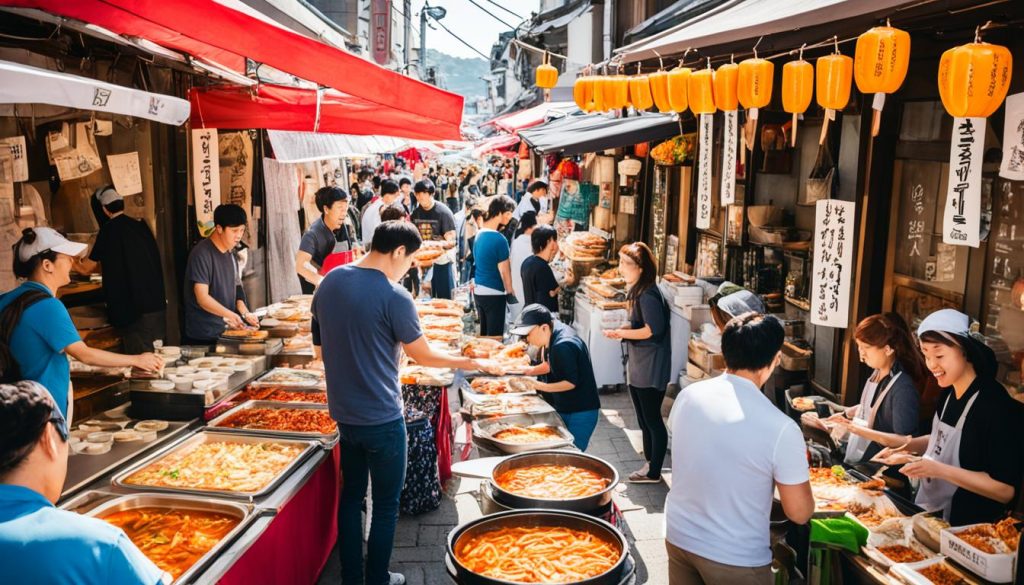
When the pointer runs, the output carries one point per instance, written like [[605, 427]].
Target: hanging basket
[[674, 151]]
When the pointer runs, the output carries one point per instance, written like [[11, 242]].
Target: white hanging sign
[[728, 187], [833, 261], [205, 177], [704, 172], [961, 221], [1012, 167], [125, 172]]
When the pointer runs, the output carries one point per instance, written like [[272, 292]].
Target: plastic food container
[[164, 385]]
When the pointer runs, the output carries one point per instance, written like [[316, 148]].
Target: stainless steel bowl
[[585, 504], [537, 518]]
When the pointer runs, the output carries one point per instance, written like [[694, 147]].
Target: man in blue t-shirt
[[361, 351], [40, 544]]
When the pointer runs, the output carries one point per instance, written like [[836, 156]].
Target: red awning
[[276, 107], [214, 32], [530, 117], [495, 144]]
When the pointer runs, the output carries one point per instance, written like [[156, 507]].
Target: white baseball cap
[[107, 195], [46, 239]]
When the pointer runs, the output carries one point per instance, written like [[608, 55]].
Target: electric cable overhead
[[505, 9], [460, 39], [491, 14]]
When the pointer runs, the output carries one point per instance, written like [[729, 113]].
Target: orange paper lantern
[[701, 92], [583, 93], [797, 86], [616, 92], [659, 90], [754, 83], [678, 87], [598, 102], [881, 60], [834, 80], [546, 76], [974, 79], [726, 79], [640, 92]]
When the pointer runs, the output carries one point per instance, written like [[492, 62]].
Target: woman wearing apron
[[888, 410], [971, 467], [328, 243]]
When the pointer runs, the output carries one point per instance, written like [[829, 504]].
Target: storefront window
[[1003, 322]]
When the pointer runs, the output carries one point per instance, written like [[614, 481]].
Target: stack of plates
[[688, 296]]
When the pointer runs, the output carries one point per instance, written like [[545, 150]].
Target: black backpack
[[10, 372]]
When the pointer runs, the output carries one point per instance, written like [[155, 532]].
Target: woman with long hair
[[890, 401], [972, 462], [493, 275], [648, 351]]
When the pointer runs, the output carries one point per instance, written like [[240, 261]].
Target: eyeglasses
[[59, 423]]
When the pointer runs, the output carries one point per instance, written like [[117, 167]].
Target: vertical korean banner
[[728, 187], [236, 166], [380, 31], [704, 172], [961, 221], [833, 263], [205, 177]]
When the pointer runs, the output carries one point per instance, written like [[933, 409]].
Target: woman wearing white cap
[[972, 461], [36, 329]]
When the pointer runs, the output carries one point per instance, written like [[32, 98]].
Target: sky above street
[[472, 24]]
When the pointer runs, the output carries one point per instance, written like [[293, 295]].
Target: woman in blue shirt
[[43, 332], [38, 543], [493, 278]]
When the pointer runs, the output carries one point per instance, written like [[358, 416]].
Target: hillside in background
[[460, 75]]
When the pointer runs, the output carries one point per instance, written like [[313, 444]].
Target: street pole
[[423, 43], [407, 40]]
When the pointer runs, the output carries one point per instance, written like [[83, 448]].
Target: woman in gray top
[[649, 354]]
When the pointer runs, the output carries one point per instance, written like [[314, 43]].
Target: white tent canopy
[[294, 147], [748, 19], [23, 84]]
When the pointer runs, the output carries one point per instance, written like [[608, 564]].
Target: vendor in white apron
[[887, 415], [329, 242], [971, 469]]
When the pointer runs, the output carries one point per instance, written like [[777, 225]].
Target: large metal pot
[[620, 573], [586, 504]]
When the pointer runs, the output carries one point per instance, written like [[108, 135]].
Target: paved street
[[420, 541]]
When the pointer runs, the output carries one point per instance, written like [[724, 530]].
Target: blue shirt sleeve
[[501, 250], [126, 565], [200, 267], [51, 321], [405, 323]]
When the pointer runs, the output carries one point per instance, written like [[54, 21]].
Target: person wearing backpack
[[36, 329]]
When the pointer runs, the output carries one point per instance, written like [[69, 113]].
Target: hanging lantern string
[[801, 57], [761, 38], [977, 31]]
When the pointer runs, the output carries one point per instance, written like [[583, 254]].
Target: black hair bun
[[28, 235]]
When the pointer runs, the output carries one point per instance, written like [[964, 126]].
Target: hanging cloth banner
[[961, 221], [205, 177], [704, 172], [728, 187], [833, 261]]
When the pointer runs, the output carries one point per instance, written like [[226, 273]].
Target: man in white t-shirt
[[520, 251], [731, 448], [371, 215]]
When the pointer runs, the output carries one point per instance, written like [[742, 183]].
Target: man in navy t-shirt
[[361, 351]]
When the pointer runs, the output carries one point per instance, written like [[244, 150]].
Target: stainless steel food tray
[[245, 514], [202, 437], [467, 387], [265, 380], [482, 405], [215, 425], [485, 429]]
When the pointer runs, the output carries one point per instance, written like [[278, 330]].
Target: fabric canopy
[[679, 12], [594, 133], [530, 117], [22, 84], [495, 144], [737, 20], [277, 107], [293, 147], [211, 31]]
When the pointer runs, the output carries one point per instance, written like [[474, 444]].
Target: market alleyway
[[420, 540]]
